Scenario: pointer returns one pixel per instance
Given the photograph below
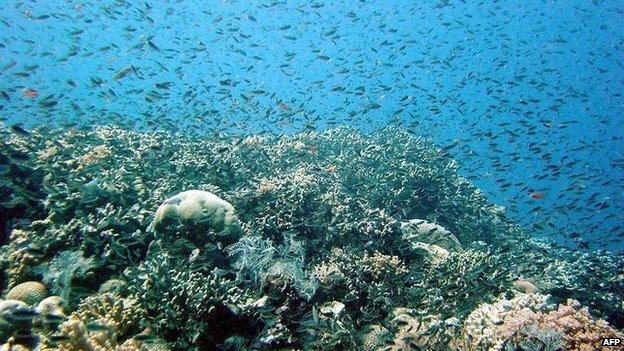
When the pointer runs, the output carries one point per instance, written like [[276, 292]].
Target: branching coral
[[328, 328], [453, 286], [368, 283], [101, 322], [593, 278], [189, 308]]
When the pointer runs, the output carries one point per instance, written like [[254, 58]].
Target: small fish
[[8, 66], [48, 102], [152, 45], [143, 337], [19, 130], [22, 314], [18, 156], [56, 338], [128, 241], [29, 92], [54, 318], [536, 196], [123, 72], [97, 327], [283, 106]]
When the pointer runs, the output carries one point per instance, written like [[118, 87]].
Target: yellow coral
[[373, 337], [98, 324], [93, 156], [20, 256], [111, 309], [29, 292]]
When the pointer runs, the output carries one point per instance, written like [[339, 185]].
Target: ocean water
[[370, 165]]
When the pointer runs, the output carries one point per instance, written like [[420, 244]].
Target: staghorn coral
[[530, 320], [415, 331], [367, 282], [190, 308], [79, 338], [18, 261], [123, 314], [453, 286]]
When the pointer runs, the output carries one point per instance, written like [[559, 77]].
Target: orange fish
[[31, 93], [536, 196], [283, 106]]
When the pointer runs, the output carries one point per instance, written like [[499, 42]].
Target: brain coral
[[199, 210], [29, 292]]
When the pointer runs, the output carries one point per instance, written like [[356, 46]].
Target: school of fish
[[527, 96]]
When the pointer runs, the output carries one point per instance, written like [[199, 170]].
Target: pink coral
[[528, 322]]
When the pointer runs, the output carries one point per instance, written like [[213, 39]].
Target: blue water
[[526, 96]]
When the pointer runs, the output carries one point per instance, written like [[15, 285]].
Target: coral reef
[[453, 286], [62, 270], [339, 241], [190, 308], [595, 279], [417, 331]]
